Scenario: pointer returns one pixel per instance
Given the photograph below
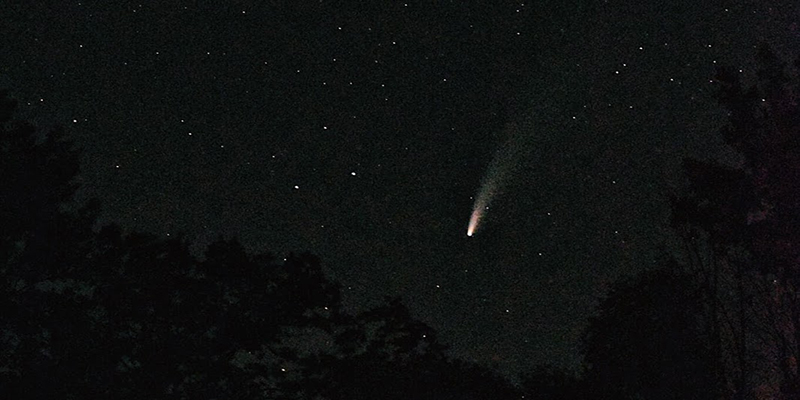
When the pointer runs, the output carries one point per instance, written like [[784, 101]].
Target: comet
[[504, 164], [474, 219], [473, 222], [482, 202]]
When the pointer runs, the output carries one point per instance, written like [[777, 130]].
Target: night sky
[[361, 133]]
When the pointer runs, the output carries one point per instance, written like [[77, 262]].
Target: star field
[[360, 132]]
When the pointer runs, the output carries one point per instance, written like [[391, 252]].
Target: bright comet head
[[473, 222]]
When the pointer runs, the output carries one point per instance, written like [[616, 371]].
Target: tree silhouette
[[739, 226], [648, 340], [38, 178], [546, 382], [36, 236], [106, 313]]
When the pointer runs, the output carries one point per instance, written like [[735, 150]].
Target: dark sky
[[360, 131]]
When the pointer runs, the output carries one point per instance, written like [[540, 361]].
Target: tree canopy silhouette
[[722, 319], [648, 340], [101, 313], [739, 226]]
